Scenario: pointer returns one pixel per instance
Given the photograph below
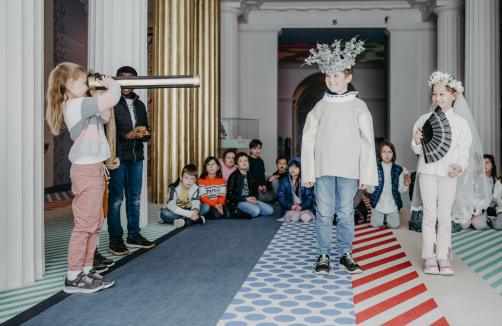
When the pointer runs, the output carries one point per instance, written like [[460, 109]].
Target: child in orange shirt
[[213, 189]]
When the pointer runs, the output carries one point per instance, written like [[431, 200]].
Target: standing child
[[297, 202], [84, 117], [183, 205], [393, 181], [281, 173], [242, 192], [338, 148], [227, 163], [450, 186], [213, 190], [257, 168]]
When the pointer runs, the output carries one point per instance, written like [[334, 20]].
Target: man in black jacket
[[130, 113]]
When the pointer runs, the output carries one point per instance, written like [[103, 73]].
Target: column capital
[[449, 8], [231, 8]]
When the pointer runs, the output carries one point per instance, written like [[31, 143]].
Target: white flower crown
[[445, 79], [329, 57]]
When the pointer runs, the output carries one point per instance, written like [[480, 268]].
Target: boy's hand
[[105, 81], [364, 187], [116, 164], [219, 207], [456, 170], [308, 184], [418, 136], [131, 135], [195, 215], [273, 178], [252, 200], [262, 189]]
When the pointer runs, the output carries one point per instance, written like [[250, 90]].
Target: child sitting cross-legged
[[242, 192], [393, 181], [183, 206], [297, 202], [213, 189]]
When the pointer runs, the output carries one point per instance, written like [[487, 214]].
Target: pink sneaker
[[445, 267], [431, 265]]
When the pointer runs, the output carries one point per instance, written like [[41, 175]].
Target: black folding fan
[[436, 134]]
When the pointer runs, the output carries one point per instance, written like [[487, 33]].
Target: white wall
[[48, 63], [412, 59]]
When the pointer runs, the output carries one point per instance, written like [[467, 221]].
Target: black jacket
[[257, 168], [235, 183], [132, 149]]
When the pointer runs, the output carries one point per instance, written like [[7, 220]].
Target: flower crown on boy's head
[[445, 79], [331, 58]]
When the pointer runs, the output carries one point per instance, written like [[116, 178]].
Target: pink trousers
[[88, 185], [438, 194]]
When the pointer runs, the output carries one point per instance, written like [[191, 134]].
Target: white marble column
[[21, 151], [117, 37], [482, 71], [230, 11], [450, 35]]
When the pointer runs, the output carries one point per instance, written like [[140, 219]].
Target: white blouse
[[459, 148], [386, 203]]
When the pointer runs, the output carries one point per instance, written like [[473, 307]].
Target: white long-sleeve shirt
[[386, 203], [338, 140], [459, 148], [497, 195]]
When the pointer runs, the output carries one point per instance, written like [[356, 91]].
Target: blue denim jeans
[[335, 195], [256, 209], [378, 217], [168, 216], [128, 178]]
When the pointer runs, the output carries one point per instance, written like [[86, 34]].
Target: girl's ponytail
[[56, 93]]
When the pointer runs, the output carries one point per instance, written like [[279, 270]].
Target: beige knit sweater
[[338, 140]]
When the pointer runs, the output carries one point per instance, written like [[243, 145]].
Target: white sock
[[86, 270], [72, 275]]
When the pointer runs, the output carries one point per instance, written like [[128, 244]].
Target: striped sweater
[[84, 117], [212, 191]]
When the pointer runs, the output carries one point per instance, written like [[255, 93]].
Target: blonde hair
[[56, 93]]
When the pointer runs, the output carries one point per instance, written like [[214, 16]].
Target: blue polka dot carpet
[[283, 290]]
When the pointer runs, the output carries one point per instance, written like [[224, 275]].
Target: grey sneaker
[[107, 282], [82, 284], [179, 223]]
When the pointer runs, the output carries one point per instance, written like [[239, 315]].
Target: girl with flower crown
[[452, 183]]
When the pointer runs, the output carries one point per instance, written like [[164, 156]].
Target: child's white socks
[[86, 270], [72, 275]]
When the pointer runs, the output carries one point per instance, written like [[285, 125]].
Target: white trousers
[[438, 194]]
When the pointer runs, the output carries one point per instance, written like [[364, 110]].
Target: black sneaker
[[348, 264], [201, 220], [139, 242], [98, 266], [117, 247], [107, 282], [323, 265], [82, 284], [103, 259]]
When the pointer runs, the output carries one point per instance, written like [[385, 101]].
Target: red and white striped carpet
[[389, 291]]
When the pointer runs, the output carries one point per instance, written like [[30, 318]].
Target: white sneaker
[[179, 223]]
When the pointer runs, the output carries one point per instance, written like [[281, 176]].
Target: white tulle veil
[[471, 194]]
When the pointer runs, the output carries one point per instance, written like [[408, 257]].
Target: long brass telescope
[[146, 82]]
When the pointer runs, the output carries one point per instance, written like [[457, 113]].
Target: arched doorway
[[307, 94]]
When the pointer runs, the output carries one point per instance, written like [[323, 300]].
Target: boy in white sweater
[[338, 149]]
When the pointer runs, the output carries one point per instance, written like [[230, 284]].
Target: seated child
[[213, 190], [297, 202], [242, 191], [360, 209], [227, 163], [497, 197], [480, 221], [257, 168], [282, 172], [183, 206], [386, 198]]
